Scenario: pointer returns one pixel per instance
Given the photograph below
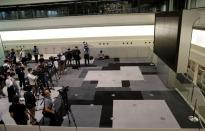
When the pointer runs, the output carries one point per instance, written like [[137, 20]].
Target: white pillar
[[196, 70]]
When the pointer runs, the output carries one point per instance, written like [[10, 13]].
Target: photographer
[[48, 110], [41, 70], [49, 66]]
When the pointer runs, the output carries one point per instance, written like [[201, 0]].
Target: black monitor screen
[[167, 37]]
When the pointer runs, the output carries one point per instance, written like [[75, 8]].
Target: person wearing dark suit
[[76, 56], [86, 54]]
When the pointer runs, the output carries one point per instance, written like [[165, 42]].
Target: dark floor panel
[[113, 89], [116, 59], [148, 70], [177, 105], [134, 64], [111, 67], [81, 95], [107, 97], [90, 65], [125, 83], [103, 62], [94, 82], [83, 74], [89, 84], [106, 114], [82, 115]]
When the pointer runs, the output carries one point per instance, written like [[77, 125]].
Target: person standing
[[86, 54], [35, 53], [21, 75], [62, 63], [30, 102], [41, 59], [10, 87], [15, 85], [18, 112], [76, 56], [13, 56], [48, 110], [68, 57], [32, 81], [22, 56]]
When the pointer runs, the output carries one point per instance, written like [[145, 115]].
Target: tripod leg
[[73, 118], [69, 122]]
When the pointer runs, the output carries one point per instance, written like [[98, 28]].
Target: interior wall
[[112, 46]]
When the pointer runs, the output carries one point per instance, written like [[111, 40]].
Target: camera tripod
[[67, 106]]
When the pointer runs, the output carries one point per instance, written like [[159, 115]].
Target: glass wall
[[91, 7], [2, 57]]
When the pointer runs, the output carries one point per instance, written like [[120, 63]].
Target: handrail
[[52, 128]]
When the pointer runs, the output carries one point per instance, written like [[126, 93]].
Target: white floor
[[114, 78], [142, 114]]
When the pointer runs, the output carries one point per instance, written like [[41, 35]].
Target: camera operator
[[30, 102], [49, 70], [41, 70], [48, 110], [32, 80]]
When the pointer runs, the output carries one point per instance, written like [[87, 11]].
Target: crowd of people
[[36, 81]]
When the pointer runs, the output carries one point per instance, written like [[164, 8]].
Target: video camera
[[64, 90]]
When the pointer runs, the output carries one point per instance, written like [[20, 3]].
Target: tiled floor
[[134, 81]]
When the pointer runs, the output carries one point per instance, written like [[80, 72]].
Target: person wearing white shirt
[[6, 64], [10, 87], [62, 63], [32, 80], [22, 56]]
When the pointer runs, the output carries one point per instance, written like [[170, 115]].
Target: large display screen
[[167, 37]]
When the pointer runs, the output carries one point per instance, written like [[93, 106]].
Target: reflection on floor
[[118, 93]]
